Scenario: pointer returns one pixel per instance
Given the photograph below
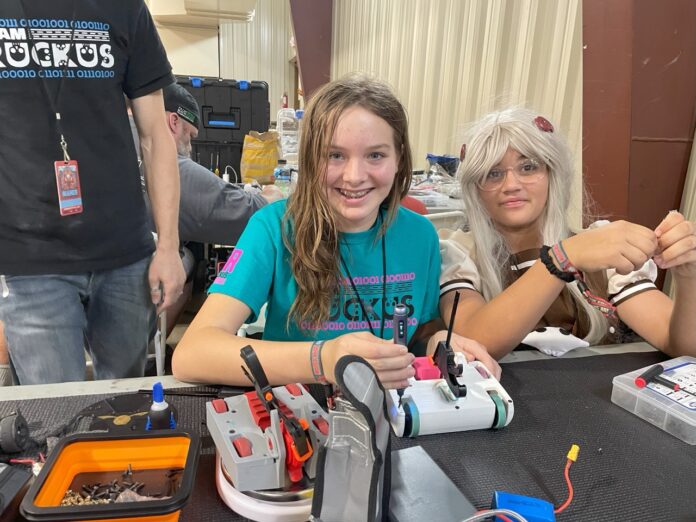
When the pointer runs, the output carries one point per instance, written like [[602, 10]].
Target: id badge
[[68, 185]]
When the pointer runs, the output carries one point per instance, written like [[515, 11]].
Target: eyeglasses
[[528, 171]]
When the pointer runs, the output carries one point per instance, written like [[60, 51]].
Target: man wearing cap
[[211, 210], [77, 268]]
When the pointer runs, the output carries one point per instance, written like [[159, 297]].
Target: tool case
[[229, 110]]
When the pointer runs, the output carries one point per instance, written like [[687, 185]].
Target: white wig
[[486, 142]]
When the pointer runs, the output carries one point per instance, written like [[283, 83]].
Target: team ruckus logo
[[365, 310], [40, 47]]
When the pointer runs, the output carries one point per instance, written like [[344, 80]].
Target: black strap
[[384, 286], [54, 103], [257, 376]]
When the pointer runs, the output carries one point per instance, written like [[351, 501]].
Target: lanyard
[[54, 103], [384, 289]]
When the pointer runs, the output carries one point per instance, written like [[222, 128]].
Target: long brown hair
[[309, 228]]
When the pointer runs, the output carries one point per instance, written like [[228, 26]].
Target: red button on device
[[293, 389], [322, 425], [243, 446], [219, 405]]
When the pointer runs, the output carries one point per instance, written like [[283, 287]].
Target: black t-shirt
[[117, 51]]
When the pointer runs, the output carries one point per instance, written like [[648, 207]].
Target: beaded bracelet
[[568, 277], [315, 362]]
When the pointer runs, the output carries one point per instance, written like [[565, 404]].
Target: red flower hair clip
[[543, 124]]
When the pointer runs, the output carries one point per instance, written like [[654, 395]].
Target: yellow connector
[[573, 453]]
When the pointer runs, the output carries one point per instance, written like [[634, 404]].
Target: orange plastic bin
[[78, 459]]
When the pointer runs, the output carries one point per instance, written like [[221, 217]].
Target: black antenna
[[451, 321]]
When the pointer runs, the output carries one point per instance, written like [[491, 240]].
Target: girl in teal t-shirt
[[332, 261]]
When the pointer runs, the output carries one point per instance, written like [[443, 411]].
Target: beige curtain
[[260, 50], [451, 61]]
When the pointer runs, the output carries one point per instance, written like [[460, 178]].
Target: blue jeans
[[51, 319]]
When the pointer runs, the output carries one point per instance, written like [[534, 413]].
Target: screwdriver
[[400, 326]]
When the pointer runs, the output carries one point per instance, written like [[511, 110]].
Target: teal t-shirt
[[258, 271]]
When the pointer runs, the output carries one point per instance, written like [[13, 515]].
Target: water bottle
[[281, 175]]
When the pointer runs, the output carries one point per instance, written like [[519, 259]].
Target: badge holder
[[68, 183]]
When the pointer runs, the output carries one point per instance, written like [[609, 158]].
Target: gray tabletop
[[627, 469]]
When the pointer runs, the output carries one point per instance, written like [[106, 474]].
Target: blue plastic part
[[533, 509], [172, 422], [393, 411], [157, 392], [412, 422], [243, 85], [221, 123], [299, 114], [196, 82]]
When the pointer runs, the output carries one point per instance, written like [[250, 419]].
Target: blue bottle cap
[[157, 392]]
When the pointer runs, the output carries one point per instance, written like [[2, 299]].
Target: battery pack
[[532, 509]]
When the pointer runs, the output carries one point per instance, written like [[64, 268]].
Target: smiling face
[[516, 207], [361, 167]]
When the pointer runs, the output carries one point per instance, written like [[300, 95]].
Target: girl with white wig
[[520, 269]]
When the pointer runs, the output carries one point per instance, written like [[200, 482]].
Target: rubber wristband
[[552, 252], [562, 257], [315, 362], [568, 277]]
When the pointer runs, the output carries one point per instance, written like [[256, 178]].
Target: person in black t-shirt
[[76, 263]]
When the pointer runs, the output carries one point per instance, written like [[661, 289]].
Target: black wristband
[[568, 277]]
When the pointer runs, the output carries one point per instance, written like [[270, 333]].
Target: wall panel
[[191, 50], [260, 50]]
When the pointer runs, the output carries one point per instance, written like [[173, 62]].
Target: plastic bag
[[259, 156]]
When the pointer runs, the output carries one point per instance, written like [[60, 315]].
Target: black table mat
[[627, 468]]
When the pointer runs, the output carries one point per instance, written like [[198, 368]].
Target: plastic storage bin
[[89, 457], [671, 411], [288, 130]]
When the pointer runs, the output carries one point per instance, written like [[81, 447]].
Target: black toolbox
[[229, 110]]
